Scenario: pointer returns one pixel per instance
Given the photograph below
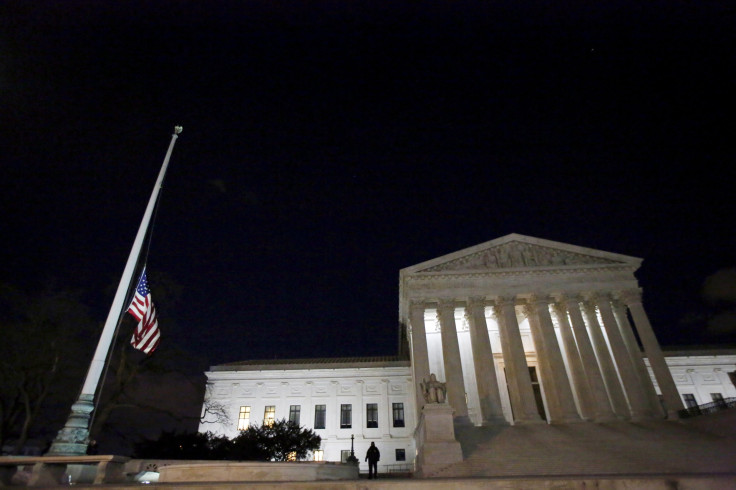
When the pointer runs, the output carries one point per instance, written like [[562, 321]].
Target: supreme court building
[[521, 330]]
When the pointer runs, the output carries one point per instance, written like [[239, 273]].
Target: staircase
[[586, 448]]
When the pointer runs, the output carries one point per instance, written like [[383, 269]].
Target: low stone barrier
[[240, 471], [51, 470]]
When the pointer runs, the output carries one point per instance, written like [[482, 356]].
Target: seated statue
[[433, 390]]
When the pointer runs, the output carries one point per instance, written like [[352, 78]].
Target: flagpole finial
[[178, 129]]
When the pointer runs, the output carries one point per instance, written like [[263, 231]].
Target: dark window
[[533, 374], [346, 416], [690, 400], [371, 415], [294, 413], [398, 409], [718, 399], [319, 416], [537, 389], [401, 455]]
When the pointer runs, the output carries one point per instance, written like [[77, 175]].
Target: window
[[690, 400], [346, 416], [398, 409], [371, 415], [718, 399], [401, 455], [269, 415], [243, 418], [344, 455], [319, 416], [294, 411], [291, 456], [319, 455]]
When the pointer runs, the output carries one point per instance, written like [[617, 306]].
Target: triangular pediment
[[521, 252]]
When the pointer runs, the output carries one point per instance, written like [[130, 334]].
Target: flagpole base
[[72, 440]]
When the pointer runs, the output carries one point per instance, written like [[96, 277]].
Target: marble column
[[359, 415], [544, 373], [283, 407], [619, 311], [384, 423], [575, 363], [523, 404], [662, 373], [602, 406], [419, 354], [307, 414], [557, 387], [634, 390], [451, 358], [613, 386], [485, 370]]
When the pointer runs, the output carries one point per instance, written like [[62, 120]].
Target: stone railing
[[707, 408], [399, 468]]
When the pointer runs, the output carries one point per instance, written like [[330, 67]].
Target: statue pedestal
[[435, 437]]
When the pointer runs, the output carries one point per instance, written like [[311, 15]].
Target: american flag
[[147, 335]]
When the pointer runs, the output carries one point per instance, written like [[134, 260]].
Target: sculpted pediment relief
[[519, 254]]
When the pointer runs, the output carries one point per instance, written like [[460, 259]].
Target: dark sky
[[328, 144]]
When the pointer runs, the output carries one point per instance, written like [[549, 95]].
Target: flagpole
[[73, 438]]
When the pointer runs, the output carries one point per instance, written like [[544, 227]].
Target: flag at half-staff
[[73, 438], [146, 336]]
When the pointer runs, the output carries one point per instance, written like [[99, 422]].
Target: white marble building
[[370, 399], [702, 376], [521, 330]]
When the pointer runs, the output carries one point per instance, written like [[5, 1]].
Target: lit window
[[294, 413], [344, 455], [401, 455], [398, 410], [371, 415], [243, 418], [269, 415], [291, 456], [319, 416], [346, 416], [319, 455]]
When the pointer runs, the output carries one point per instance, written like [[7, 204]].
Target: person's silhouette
[[373, 456]]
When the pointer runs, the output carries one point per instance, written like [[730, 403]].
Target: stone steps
[[592, 449]]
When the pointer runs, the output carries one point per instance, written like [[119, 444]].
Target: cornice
[[278, 375], [423, 276]]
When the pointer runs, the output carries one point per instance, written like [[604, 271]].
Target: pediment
[[521, 252]]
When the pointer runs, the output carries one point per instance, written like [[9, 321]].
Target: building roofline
[[315, 363], [697, 350]]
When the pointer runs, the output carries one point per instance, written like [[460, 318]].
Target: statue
[[433, 390]]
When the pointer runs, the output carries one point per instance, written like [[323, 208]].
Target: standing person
[[373, 456]]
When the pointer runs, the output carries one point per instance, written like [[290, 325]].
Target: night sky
[[329, 144]]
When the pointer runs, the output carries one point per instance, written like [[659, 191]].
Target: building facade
[[702, 376], [521, 330], [348, 402]]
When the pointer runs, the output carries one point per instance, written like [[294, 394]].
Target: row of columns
[[608, 383]]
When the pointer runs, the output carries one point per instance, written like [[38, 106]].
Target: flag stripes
[[146, 336]]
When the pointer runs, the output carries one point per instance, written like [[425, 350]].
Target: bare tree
[[39, 355], [141, 394], [214, 412], [137, 384]]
